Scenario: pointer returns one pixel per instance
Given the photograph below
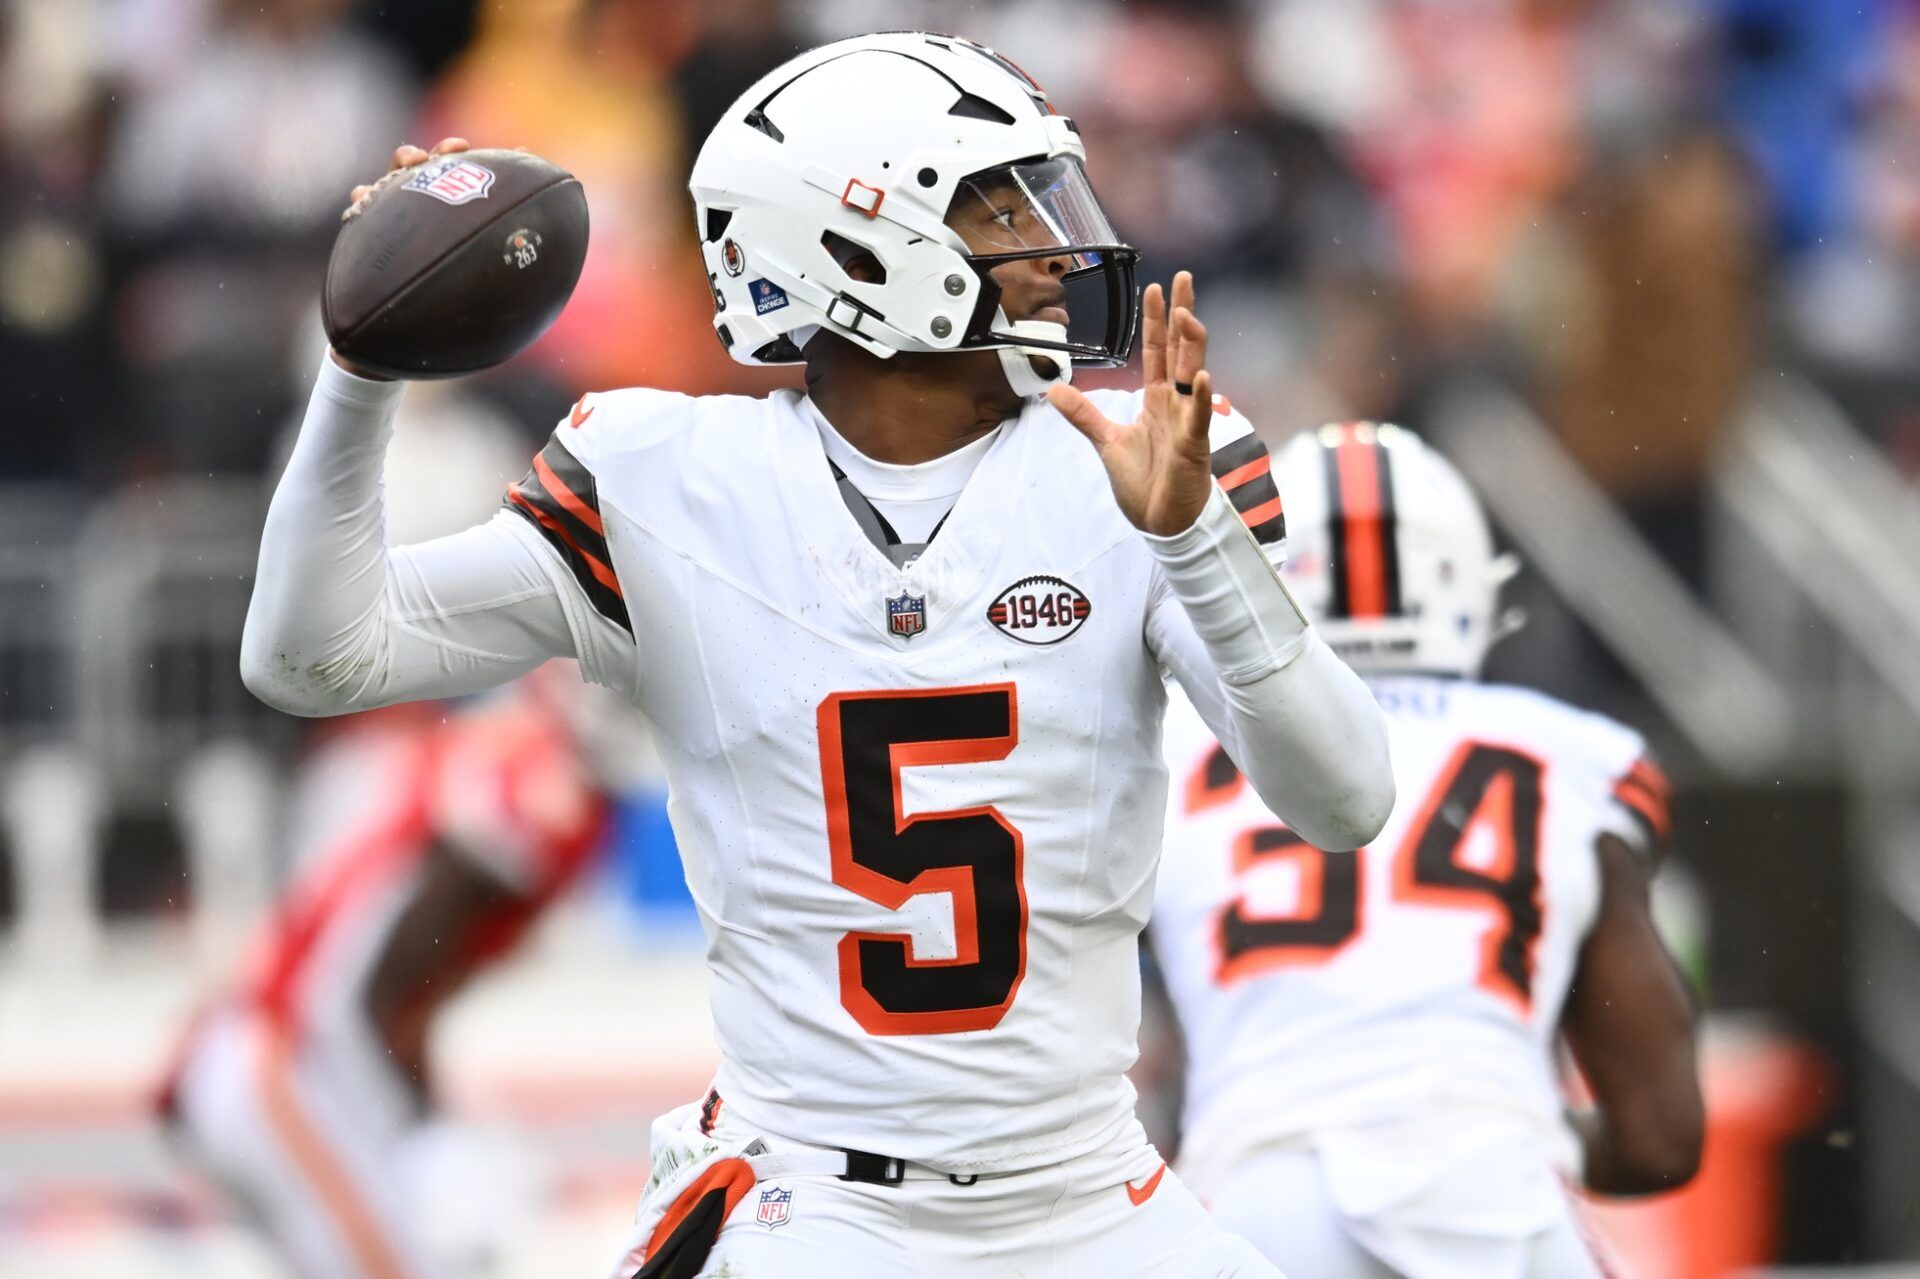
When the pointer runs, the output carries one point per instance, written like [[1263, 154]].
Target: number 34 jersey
[[919, 808], [1324, 990]]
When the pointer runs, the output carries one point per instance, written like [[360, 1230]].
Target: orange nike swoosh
[[1140, 1194], [581, 412]]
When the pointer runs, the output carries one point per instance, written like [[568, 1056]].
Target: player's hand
[[1159, 463], [405, 156]]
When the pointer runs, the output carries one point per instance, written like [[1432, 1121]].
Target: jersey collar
[[951, 571]]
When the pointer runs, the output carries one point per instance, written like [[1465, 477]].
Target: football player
[[1371, 1033], [903, 640], [305, 1088]]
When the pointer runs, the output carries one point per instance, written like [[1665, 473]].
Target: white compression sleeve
[[339, 623], [1300, 724]]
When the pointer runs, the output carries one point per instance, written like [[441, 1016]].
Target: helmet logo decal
[[767, 296], [733, 258], [1039, 610]]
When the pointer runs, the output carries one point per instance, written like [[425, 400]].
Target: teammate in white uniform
[[1371, 1034], [914, 754]]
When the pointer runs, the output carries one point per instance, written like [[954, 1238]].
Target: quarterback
[[1371, 1034], [904, 641]]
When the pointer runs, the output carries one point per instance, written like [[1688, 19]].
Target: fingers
[[1196, 425], [1183, 289], [1080, 411], [1153, 334], [1177, 335], [405, 156], [1186, 347]]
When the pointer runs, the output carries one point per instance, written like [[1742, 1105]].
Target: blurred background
[[1647, 270]]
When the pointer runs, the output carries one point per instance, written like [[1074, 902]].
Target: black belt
[[862, 1166], [886, 1170], [874, 1170]]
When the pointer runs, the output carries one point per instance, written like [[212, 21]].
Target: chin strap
[[1017, 362]]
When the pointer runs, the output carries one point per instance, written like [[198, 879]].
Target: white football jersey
[[1321, 990], [919, 808]]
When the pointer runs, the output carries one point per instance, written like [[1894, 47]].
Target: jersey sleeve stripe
[[1647, 807], [596, 577], [557, 494], [1245, 471], [598, 568], [1235, 456], [1255, 492], [560, 486], [1267, 521], [1648, 774], [564, 493], [1262, 465], [1258, 502]]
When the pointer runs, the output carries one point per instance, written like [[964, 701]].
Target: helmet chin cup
[[1017, 361]]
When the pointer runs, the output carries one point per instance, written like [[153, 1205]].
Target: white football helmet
[[867, 145], [1389, 551]]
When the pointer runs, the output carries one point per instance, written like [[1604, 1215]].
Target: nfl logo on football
[[776, 1207], [452, 181], [907, 615]]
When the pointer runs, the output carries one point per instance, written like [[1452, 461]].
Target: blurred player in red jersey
[[1371, 1035], [306, 1089]]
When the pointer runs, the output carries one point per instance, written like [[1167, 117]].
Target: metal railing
[[1823, 522], [1728, 707], [120, 693]]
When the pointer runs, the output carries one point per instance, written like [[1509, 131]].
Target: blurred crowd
[[1621, 207]]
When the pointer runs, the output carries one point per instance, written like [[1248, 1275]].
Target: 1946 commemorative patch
[[1042, 609]]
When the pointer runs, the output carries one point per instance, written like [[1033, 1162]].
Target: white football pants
[[1111, 1214], [1280, 1202], [316, 1163]]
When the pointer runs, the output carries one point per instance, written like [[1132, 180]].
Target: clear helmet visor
[[1047, 209], [1020, 208]]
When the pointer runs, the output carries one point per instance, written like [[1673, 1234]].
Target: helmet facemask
[[1046, 209]]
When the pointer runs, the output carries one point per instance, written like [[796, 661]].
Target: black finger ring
[[1183, 388]]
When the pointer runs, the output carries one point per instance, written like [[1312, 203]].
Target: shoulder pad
[[602, 423]]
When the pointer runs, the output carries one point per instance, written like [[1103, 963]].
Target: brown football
[[457, 266]]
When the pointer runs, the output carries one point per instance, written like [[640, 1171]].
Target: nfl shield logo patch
[[452, 181], [776, 1207], [907, 615]]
